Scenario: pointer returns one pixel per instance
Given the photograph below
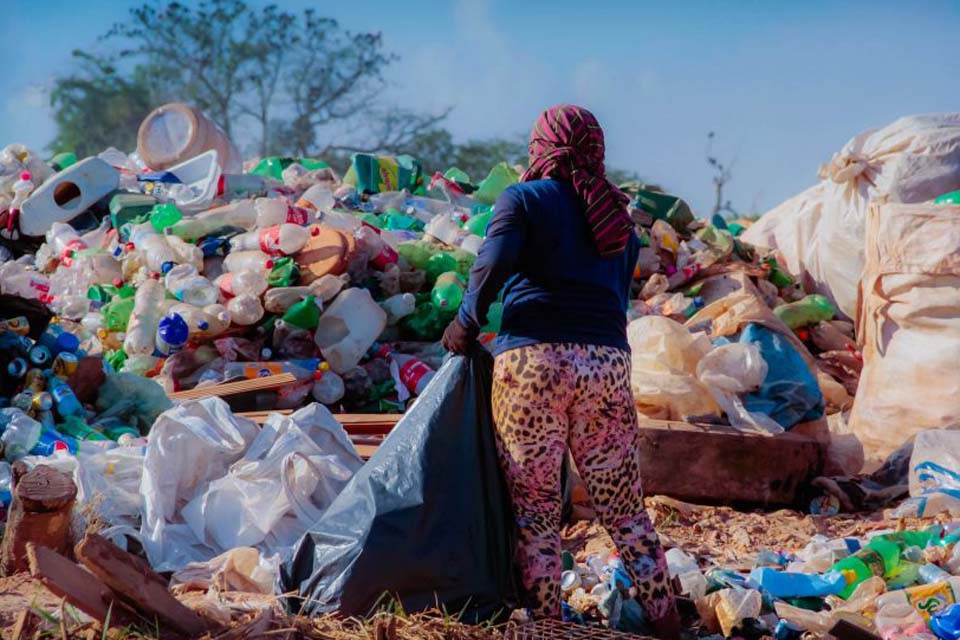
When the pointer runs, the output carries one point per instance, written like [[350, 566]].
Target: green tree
[[275, 81], [97, 107]]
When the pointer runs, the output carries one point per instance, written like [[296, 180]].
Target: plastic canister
[[348, 328], [67, 194], [176, 132]]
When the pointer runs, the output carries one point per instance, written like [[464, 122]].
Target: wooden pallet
[[233, 388]]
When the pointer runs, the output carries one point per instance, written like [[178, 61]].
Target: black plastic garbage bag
[[426, 520]]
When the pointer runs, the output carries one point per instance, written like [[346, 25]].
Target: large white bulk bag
[[820, 231], [909, 325]]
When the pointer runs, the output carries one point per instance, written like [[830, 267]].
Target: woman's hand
[[457, 338]]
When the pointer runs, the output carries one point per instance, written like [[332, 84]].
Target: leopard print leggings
[[546, 398]]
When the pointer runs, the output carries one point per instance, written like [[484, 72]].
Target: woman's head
[[567, 144]]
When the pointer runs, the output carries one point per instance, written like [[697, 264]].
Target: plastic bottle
[[234, 283], [930, 573], [245, 309], [57, 340], [477, 225], [317, 198], [116, 313], [241, 214], [6, 485], [247, 261], [812, 309], [946, 622], [270, 212], [153, 248], [172, 333], [20, 433], [65, 242], [279, 299], [329, 389], [302, 370], [379, 253], [878, 558], [948, 198], [304, 314], [77, 428], [163, 216], [65, 400], [440, 263], [447, 294], [208, 322], [927, 599], [21, 189], [399, 307], [142, 327], [278, 240], [16, 279], [414, 372], [187, 285], [783, 584]]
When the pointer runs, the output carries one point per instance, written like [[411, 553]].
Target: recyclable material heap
[[128, 280]]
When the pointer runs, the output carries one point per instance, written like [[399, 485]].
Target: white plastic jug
[[348, 328], [67, 194]]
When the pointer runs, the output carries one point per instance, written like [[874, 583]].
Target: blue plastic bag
[[790, 393]]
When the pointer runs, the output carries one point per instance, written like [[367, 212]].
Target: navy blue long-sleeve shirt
[[558, 287]]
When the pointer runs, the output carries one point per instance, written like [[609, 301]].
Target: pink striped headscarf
[[567, 144]]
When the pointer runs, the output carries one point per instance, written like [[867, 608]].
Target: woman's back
[[559, 288]]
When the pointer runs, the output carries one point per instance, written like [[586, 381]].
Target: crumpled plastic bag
[[136, 400], [241, 569], [730, 370], [663, 372]]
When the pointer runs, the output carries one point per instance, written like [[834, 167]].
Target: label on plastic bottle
[[270, 240], [73, 245], [931, 598], [297, 215], [386, 257], [262, 369], [412, 372], [873, 561]]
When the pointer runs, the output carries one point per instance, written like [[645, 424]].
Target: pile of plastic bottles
[[895, 585], [195, 275]]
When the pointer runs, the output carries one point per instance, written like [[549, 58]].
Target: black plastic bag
[[426, 521]]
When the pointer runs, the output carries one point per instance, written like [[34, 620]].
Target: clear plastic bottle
[[317, 198], [328, 389], [21, 189], [379, 253], [236, 282], [245, 309], [65, 242], [142, 327], [186, 284], [17, 278], [399, 307], [247, 261], [241, 214], [152, 248], [20, 433], [208, 322], [271, 212], [279, 299], [278, 240]]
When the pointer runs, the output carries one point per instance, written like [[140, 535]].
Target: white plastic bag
[[733, 369], [190, 445], [820, 232], [934, 475], [664, 367], [110, 482]]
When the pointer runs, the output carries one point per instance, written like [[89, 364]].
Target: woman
[[563, 243]]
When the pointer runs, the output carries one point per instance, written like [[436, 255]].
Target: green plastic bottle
[[948, 198], [448, 292], [163, 216], [304, 314], [75, 427], [810, 310], [284, 273], [116, 314], [879, 558], [780, 278], [426, 322], [393, 220], [438, 264], [477, 225]]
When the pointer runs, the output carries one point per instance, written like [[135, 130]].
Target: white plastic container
[[348, 328], [67, 194], [147, 311]]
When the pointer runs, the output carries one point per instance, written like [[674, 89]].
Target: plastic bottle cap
[[165, 267], [317, 375], [26, 176], [315, 231], [203, 325], [268, 264], [117, 282], [324, 366]]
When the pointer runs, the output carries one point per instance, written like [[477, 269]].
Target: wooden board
[[231, 388], [718, 464], [366, 430]]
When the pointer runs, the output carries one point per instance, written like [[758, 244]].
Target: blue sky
[[783, 85]]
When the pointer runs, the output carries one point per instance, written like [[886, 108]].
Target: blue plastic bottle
[[64, 398], [783, 584]]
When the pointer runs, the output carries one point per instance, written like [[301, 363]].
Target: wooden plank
[[710, 463], [40, 513], [80, 588], [138, 584], [232, 388]]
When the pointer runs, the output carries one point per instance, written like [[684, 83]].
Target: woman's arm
[[496, 262]]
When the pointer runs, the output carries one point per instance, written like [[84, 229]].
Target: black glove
[[457, 338]]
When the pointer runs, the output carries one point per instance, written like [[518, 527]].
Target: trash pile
[[139, 290]]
